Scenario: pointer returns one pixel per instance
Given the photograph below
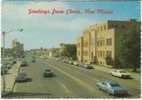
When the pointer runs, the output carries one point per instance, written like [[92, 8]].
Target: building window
[[109, 53], [98, 44], [109, 42], [103, 42], [105, 27], [103, 54]]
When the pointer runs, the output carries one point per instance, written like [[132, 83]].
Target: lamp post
[[3, 51]]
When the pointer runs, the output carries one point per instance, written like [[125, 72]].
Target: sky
[[48, 31]]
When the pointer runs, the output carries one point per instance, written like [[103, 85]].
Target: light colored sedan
[[112, 87], [75, 63], [88, 66], [120, 73]]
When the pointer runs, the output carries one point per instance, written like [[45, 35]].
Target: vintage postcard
[[71, 49]]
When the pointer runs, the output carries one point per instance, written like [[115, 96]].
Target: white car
[[75, 63], [120, 73]]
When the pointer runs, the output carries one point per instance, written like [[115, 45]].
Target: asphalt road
[[69, 81]]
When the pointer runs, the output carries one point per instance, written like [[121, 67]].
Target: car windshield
[[114, 84]]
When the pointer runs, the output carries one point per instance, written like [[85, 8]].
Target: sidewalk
[[135, 76], [10, 77]]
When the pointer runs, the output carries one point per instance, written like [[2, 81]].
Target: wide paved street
[[69, 81]]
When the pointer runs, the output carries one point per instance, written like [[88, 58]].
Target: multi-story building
[[18, 48], [80, 49], [101, 41]]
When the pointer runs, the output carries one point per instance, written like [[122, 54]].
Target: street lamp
[[3, 50]]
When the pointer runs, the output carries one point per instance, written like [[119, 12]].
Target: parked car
[[4, 69], [70, 62], [112, 87], [88, 66], [120, 73], [9, 66], [33, 60], [48, 73], [24, 63], [22, 77], [75, 63], [14, 62]]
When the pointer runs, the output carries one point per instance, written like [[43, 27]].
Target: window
[[103, 53], [105, 27], [108, 53], [109, 42]]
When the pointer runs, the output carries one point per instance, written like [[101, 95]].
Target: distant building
[[17, 48]]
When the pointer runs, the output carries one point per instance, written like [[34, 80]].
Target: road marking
[[76, 79], [65, 87]]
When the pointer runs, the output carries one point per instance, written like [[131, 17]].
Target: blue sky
[[49, 30]]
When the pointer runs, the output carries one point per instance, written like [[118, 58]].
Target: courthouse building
[[102, 41]]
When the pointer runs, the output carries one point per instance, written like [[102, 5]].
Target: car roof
[[109, 81]]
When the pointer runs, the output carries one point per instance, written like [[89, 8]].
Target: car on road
[[4, 69], [14, 62], [9, 66], [88, 66], [120, 73], [22, 77], [24, 63], [70, 62], [33, 60], [112, 87], [48, 73], [75, 63]]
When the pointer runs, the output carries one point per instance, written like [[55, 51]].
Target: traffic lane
[[75, 85], [72, 87], [69, 87], [81, 79], [40, 85], [132, 85]]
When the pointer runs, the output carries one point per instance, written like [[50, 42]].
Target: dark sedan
[[48, 73]]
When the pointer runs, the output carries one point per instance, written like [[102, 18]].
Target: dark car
[[88, 66], [14, 62], [24, 63], [48, 73], [22, 77], [4, 69], [33, 60]]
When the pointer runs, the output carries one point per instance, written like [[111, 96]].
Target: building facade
[[100, 42], [17, 48]]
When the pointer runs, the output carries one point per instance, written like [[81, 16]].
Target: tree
[[69, 50], [130, 47]]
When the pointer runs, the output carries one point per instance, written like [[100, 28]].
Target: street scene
[[79, 51]]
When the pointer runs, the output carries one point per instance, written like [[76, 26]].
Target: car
[[9, 66], [88, 66], [70, 62], [120, 73], [75, 63], [14, 62], [33, 60], [24, 63], [112, 87], [48, 73], [4, 69], [22, 77]]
